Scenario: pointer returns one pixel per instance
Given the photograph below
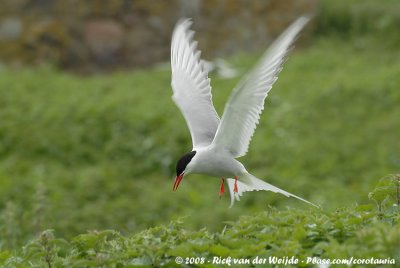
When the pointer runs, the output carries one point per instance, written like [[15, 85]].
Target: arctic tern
[[217, 143]]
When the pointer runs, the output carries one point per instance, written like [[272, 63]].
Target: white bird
[[217, 143]]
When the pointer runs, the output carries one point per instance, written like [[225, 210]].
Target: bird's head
[[181, 168]]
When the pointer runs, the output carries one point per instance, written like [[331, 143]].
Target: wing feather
[[242, 111], [191, 86]]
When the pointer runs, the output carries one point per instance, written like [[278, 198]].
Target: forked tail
[[250, 183]]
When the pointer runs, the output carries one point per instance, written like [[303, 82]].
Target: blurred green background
[[82, 152]]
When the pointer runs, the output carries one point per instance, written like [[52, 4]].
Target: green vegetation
[[79, 154], [361, 18], [354, 231], [358, 231]]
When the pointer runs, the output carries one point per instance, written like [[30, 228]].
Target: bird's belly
[[219, 166]]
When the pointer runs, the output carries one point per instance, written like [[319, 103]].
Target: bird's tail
[[250, 183]]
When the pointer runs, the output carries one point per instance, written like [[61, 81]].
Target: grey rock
[[10, 29]]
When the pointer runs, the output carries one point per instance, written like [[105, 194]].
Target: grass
[[98, 153]]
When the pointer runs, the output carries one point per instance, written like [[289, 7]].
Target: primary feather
[[191, 86], [243, 109]]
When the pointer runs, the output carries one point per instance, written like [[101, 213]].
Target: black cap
[[183, 162]]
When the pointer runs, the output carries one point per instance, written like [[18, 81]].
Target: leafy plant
[[345, 233], [386, 195]]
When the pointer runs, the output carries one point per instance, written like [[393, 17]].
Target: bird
[[218, 142]]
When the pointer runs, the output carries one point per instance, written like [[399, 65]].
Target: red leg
[[235, 187], [222, 188]]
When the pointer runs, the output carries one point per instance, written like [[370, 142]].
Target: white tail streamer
[[250, 183]]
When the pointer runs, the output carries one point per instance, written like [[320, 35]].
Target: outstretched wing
[[191, 86], [243, 109]]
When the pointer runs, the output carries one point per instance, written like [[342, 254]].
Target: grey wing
[[191, 86], [242, 111]]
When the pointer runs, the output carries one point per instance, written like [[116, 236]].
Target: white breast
[[215, 163]]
